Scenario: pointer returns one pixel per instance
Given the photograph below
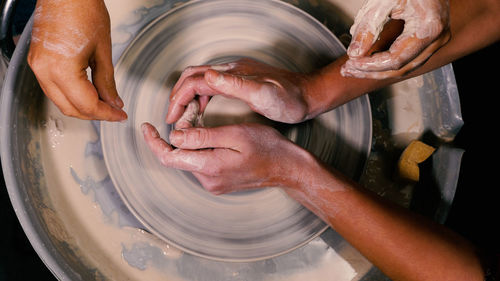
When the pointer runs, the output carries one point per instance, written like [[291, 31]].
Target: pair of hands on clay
[[70, 36], [235, 157], [230, 158]]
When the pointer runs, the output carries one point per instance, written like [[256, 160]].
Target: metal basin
[[63, 250]]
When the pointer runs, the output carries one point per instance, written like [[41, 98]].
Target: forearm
[[473, 25], [403, 245]]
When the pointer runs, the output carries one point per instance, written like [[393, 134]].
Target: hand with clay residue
[[426, 29], [275, 93], [67, 38], [229, 158]]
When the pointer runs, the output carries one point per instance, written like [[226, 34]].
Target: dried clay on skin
[[69, 43]]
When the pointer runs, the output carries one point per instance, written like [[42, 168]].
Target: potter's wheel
[[170, 203]]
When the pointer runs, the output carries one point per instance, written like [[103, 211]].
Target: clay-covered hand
[[276, 93], [426, 29], [67, 38], [230, 158]]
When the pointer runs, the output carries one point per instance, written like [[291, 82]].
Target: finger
[[191, 72], [196, 70], [402, 51], [188, 72], [157, 145], [349, 70], [361, 43], [379, 75], [201, 161], [391, 31], [190, 88], [232, 85], [191, 84], [83, 95], [200, 138], [367, 26], [188, 160], [103, 76]]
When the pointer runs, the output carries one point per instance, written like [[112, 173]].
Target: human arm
[[403, 245], [67, 38], [473, 25]]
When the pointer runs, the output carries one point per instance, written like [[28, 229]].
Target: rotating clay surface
[[170, 203]]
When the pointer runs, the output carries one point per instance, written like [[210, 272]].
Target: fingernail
[[119, 102], [149, 130], [176, 137], [144, 128], [124, 117]]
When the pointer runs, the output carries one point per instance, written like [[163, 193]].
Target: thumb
[[231, 85], [82, 94], [201, 138], [362, 41], [103, 77]]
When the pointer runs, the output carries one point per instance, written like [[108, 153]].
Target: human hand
[[275, 93], [67, 38], [231, 158], [426, 29]]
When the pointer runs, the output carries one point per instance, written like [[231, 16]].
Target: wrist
[[298, 172], [324, 89]]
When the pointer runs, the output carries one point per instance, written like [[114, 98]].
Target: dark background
[[475, 210]]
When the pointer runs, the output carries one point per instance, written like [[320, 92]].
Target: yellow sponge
[[416, 152]]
